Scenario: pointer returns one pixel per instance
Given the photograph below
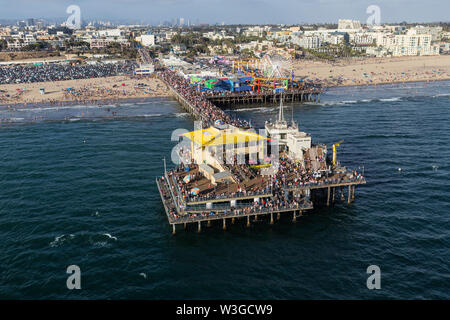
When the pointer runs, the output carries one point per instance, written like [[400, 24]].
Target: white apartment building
[[414, 45], [307, 42], [435, 32], [96, 43], [217, 36], [111, 33], [147, 40], [331, 36], [383, 39], [257, 31], [407, 44], [255, 45], [362, 38], [20, 40]]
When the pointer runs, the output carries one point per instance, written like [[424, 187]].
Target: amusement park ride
[[266, 73]]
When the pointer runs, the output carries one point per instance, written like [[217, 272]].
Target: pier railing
[[218, 214], [324, 184], [229, 197]]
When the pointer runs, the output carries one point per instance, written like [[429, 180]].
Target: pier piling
[[224, 224], [349, 194], [199, 226], [271, 218], [328, 197]]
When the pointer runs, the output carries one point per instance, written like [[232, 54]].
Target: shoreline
[[99, 102], [374, 71], [370, 72], [103, 90], [119, 100], [384, 83]]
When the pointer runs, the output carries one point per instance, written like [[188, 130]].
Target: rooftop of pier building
[[231, 145]]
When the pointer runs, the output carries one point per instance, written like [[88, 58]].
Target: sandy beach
[[365, 71], [83, 90]]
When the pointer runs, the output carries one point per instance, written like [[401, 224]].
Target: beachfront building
[[409, 44], [307, 42], [435, 32], [329, 36], [378, 52], [362, 38]]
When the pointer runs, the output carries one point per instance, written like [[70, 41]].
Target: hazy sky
[[232, 11]]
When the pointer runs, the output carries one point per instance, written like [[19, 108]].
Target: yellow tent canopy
[[215, 137]]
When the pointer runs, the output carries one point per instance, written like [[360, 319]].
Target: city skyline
[[233, 12]]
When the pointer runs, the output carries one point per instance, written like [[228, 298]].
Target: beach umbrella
[[187, 179], [195, 191]]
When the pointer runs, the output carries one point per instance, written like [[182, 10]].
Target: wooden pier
[[184, 212], [186, 105], [333, 192], [170, 205], [230, 100]]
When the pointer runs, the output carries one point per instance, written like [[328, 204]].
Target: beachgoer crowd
[[57, 72]]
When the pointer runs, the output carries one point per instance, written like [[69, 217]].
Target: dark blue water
[[77, 187]]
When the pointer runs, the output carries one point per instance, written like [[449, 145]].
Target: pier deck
[[233, 100], [176, 215], [184, 103], [243, 197]]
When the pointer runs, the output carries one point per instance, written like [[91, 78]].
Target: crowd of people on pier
[[209, 113], [59, 71], [265, 205], [290, 174], [213, 192], [293, 174]]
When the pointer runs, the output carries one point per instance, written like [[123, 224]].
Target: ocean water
[[77, 187]]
